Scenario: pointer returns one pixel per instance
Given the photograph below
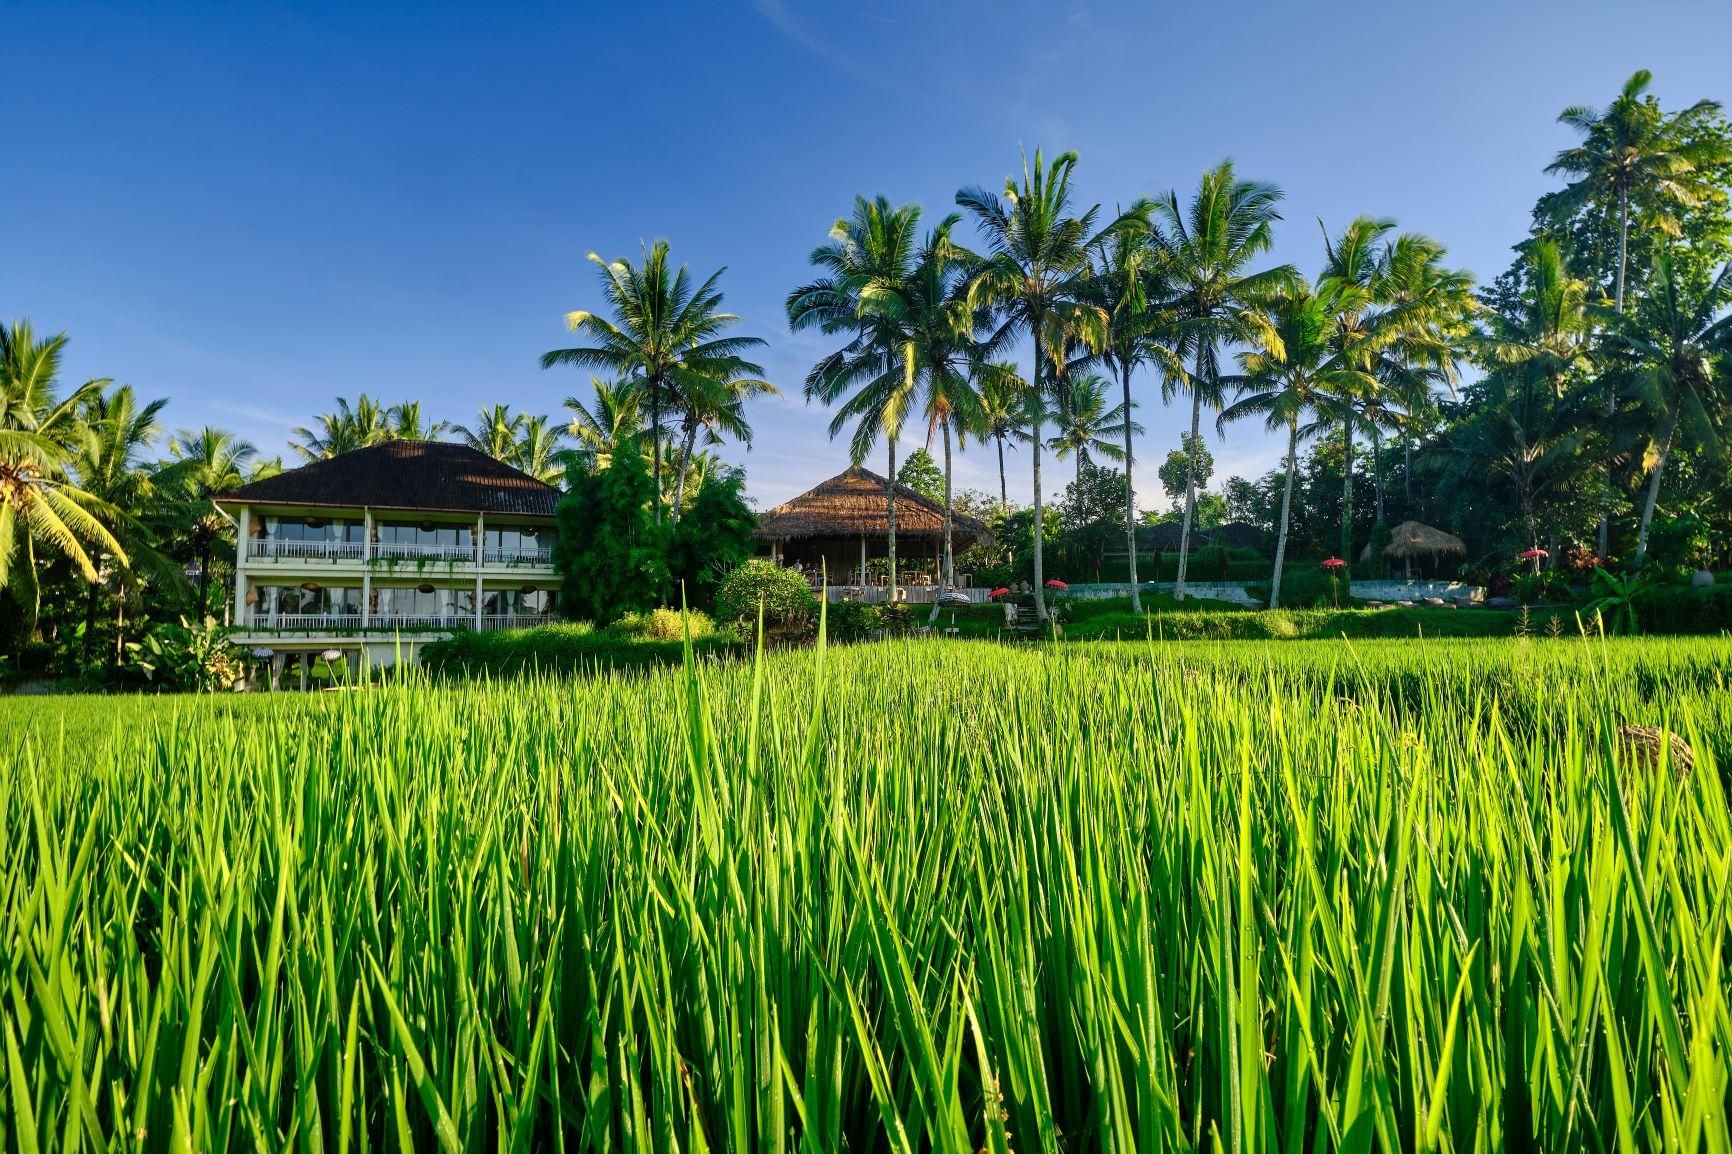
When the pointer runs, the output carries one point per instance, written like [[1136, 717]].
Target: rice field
[[921, 896]]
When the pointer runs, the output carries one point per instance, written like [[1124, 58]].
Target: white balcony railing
[[387, 622], [336, 550], [527, 557], [272, 548], [398, 549]]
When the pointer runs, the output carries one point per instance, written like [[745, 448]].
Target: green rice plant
[[916, 896]]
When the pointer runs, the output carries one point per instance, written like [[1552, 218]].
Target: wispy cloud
[[776, 12]]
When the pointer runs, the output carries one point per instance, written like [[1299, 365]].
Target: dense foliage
[[1430, 895]]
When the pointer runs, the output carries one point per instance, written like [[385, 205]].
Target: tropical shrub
[[784, 594], [714, 535], [665, 625], [1671, 609], [611, 553], [192, 658]]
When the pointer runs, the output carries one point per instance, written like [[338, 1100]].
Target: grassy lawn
[[1097, 895]]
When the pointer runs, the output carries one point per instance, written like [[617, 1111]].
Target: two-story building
[[371, 553]]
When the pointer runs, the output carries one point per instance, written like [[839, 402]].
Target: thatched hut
[[1411, 541], [842, 524]]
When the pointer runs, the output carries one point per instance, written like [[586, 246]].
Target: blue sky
[[255, 208]]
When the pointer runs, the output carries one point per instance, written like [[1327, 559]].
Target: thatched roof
[[1411, 539], [851, 504]]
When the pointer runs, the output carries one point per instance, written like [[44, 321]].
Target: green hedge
[[1672, 609], [565, 648]]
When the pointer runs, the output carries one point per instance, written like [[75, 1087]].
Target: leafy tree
[[1093, 504], [716, 409], [496, 432], [1186, 469], [538, 450], [405, 423], [713, 538], [611, 553], [40, 507], [922, 474], [1206, 252], [665, 338], [866, 269], [1034, 272]]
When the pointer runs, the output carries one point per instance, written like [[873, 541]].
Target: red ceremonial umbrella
[[1055, 583], [1335, 563], [997, 593], [1531, 554]]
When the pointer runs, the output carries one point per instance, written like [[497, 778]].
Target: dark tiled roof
[[430, 475]]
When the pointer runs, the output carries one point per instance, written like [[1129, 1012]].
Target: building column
[[366, 567], [480, 560], [245, 528]]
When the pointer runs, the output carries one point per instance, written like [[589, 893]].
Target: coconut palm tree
[[1286, 379], [716, 408], [1086, 425], [1033, 272], [861, 292], [404, 422], [1003, 414], [41, 509], [1126, 282], [664, 337], [349, 428], [1679, 337], [614, 418], [538, 450], [205, 463], [1205, 253], [496, 432], [1633, 158]]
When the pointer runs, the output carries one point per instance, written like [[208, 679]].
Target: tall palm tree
[[861, 291], [1003, 414], [496, 431], [1033, 271], [716, 408], [1086, 425], [1680, 338], [40, 506], [538, 449], [664, 337], [404, 422], [614, 418], [1205, 251], [366, 423], [1632, 157], [1287, 380], [1126, 282], [1526, 431], [205, 463]]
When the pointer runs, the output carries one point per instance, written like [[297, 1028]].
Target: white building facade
[[357, 561]]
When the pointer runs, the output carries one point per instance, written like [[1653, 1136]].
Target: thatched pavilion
[[1410, 541], [842, 524]]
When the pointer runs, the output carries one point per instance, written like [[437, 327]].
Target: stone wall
[[1235, 591]]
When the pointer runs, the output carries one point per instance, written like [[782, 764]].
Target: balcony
[[265, 548], [389, 622]]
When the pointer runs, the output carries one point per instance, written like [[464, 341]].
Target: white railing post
[[480, 558], [366, 566]]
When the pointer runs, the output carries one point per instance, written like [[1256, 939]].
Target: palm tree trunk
[[680, 471], [1407, 472], [1347, 500], [1653, 497], [1130, 499], [1604, 532], [1286, 506], [1003, 493], [1039, 542], [203, 576], [890, 516], [655, 393], [1190, 482], [89, 620], [1377, 468], [949, 578]]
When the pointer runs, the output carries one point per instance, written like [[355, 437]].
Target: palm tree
[[1087, 426], [1286, 379], [865, 268], [1003, 414], [1126, 283], [537, 450], [205, 463], [717, 409], [1204, 253], [665, 337], [1034, 272], [40, 507], [405, 423], [614, 418], [1632, 156], [1525, 431], [347, 429], [1680, 340], [496, 432]]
